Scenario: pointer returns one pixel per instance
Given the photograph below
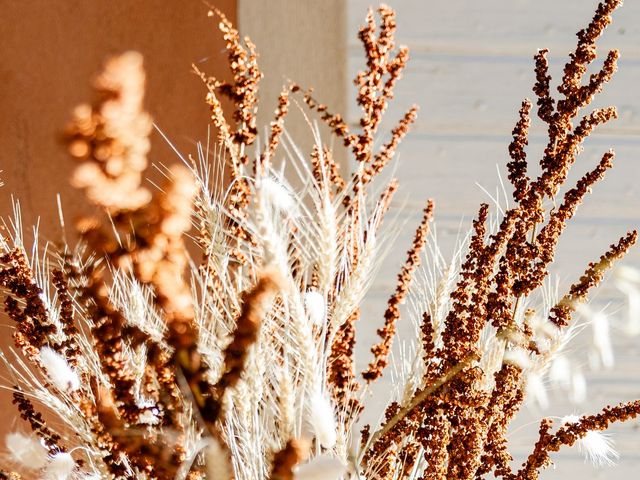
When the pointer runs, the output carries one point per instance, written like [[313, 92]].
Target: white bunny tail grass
[[60, 467], [518, 357], [316, 307], [278, 196], [58, 370], [536, 389], [597, 447], [578, 391], [322, 420], [26, 450]]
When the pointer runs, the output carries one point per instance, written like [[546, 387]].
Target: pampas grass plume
[[27, 450], [597, 447], [322, 420], [316, 307], [60, 467], [58, 370], [518, 357]]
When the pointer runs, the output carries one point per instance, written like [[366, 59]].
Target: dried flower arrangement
[[242, 367]]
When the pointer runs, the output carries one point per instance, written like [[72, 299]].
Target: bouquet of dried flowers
[[134, 361]]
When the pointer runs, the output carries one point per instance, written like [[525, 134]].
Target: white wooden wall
[[471, 67]]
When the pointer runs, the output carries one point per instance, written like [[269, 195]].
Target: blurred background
[[471, 66]]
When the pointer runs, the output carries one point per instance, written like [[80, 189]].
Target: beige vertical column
[[303, 41]]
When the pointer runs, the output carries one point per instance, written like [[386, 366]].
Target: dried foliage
[[243, 366]]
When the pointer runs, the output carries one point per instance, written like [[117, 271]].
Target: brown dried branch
[[561, 313], [392, 314], [255, 305], [110, 137], [569, 434], [285, 460], [518, 165]]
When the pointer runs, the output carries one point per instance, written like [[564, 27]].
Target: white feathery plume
[[596, 446], [315, 306], [27, 450], [536, 389], [60, 467], [560, 372], [517, 356], [322, 420], [542, 328], [322, 467], [602, 349], [278, 196], [58, 370]]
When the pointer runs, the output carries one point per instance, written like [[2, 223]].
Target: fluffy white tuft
[[627, 274], [536, 389], [560, 372], [570, 419], [322, 420], [543, 329], [60, 467], [322, 467], [278, 196], [316, 307], [26, 450], [597, 447], [58, 370], [518, 357]]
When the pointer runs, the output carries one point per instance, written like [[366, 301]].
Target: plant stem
[[418, 398]]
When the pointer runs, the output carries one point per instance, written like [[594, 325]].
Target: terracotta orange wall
[[49, 51]]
